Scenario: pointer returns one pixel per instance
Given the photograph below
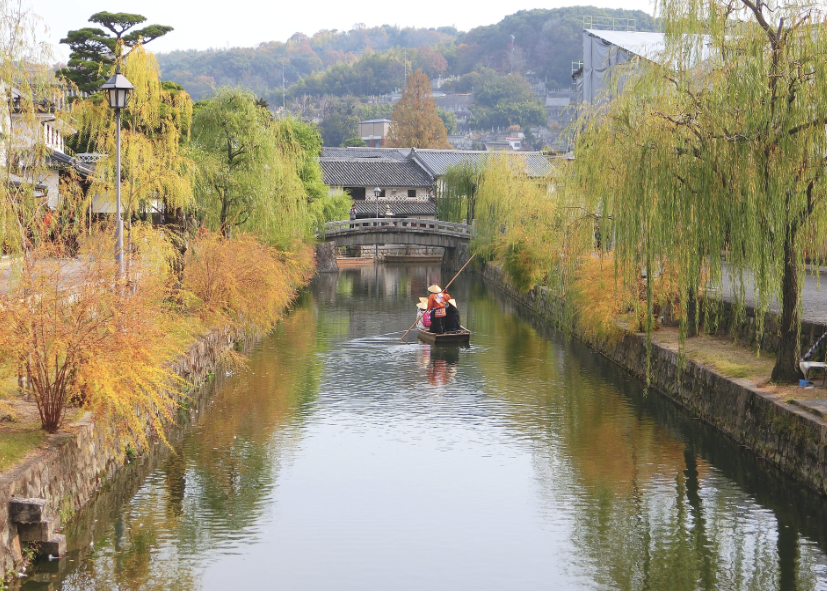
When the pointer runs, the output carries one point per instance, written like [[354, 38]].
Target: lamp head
[[376, 192], [117, 90]]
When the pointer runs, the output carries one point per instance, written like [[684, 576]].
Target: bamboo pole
[[443, 289]]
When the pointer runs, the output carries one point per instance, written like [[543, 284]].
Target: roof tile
[[379, 172]]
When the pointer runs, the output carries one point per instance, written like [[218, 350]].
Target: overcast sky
[[246, 23]]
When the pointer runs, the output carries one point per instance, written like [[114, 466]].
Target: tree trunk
[[692, 312], [786, 361], [178, 227]]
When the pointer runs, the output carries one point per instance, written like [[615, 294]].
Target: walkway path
[[814, 296], [70, 271]]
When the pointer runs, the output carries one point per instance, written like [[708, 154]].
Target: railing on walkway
[[390, 225]]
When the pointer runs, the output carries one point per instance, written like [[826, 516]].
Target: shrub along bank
[[116, 356]]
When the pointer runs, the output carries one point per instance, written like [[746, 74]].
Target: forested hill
[[369, 61]]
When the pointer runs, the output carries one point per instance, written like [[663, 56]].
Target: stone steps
[[34, 528]]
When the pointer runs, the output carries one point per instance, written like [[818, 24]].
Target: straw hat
[[434, 288], [453, 302], [422, 306], [423, 300]]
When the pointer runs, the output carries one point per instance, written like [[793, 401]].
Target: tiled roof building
[[437, 162], [374, 172], [395, 153], [406, 178]]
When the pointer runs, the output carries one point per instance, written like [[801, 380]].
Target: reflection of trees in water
[[233, 458], [647, 510], [213, 492]]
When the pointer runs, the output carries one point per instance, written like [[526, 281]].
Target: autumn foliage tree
[[415, 120]]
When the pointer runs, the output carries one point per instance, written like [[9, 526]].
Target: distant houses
[[407, 179], [374, 132]]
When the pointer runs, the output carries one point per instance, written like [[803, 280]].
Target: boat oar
[[443, 289], [458, 272]]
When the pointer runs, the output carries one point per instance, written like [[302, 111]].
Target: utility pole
[[512, 54], [406, 68]]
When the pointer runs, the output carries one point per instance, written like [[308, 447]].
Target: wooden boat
[[349, 262], [454, 337]]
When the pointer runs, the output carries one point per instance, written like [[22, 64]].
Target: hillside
[[260, 68], [369, 61]]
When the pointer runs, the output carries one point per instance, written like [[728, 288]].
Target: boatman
[[436, 307]]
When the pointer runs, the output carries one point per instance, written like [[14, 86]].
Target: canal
[[341, 458]]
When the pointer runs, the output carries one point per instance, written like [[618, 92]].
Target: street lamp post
[[117, 89], [376, 192]]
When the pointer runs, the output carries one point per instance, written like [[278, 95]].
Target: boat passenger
[[436, 307], [451, 321], [423, 320]]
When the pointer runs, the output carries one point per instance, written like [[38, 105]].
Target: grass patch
[[728, 358], [17, 444]]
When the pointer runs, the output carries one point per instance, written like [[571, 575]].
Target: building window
[[412, 193]]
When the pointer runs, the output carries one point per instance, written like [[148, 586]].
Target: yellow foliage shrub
[[78, 332], [74, 329], [243, 281], [602, 298]]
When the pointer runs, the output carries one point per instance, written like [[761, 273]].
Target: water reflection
[[343, 458]]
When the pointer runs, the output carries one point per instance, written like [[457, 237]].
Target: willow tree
[[457, 192], [155, 172], [248, 169], [720, 148], [302, 141], [534, 226], [29, 98]]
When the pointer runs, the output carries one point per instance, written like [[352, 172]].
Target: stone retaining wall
[[745, 329], [789, 437], [75, 462]]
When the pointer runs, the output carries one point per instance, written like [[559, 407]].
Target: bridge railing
[[332, 229]]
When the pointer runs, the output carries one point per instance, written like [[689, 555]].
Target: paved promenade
[[814, 296], [70, 270]]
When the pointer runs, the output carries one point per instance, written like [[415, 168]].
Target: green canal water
[[343, 459]]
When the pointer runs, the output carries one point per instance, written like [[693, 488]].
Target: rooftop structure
[[437, 162], [393, 153], [602, 50], [374, 172], [374, 131]]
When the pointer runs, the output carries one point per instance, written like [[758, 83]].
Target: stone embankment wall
[[76, 462], [787, 436], [745, 327]]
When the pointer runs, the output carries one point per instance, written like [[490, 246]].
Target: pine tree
[[94, 50], [415, 120]]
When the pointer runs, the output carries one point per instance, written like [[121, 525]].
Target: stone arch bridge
[[452, 237]]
